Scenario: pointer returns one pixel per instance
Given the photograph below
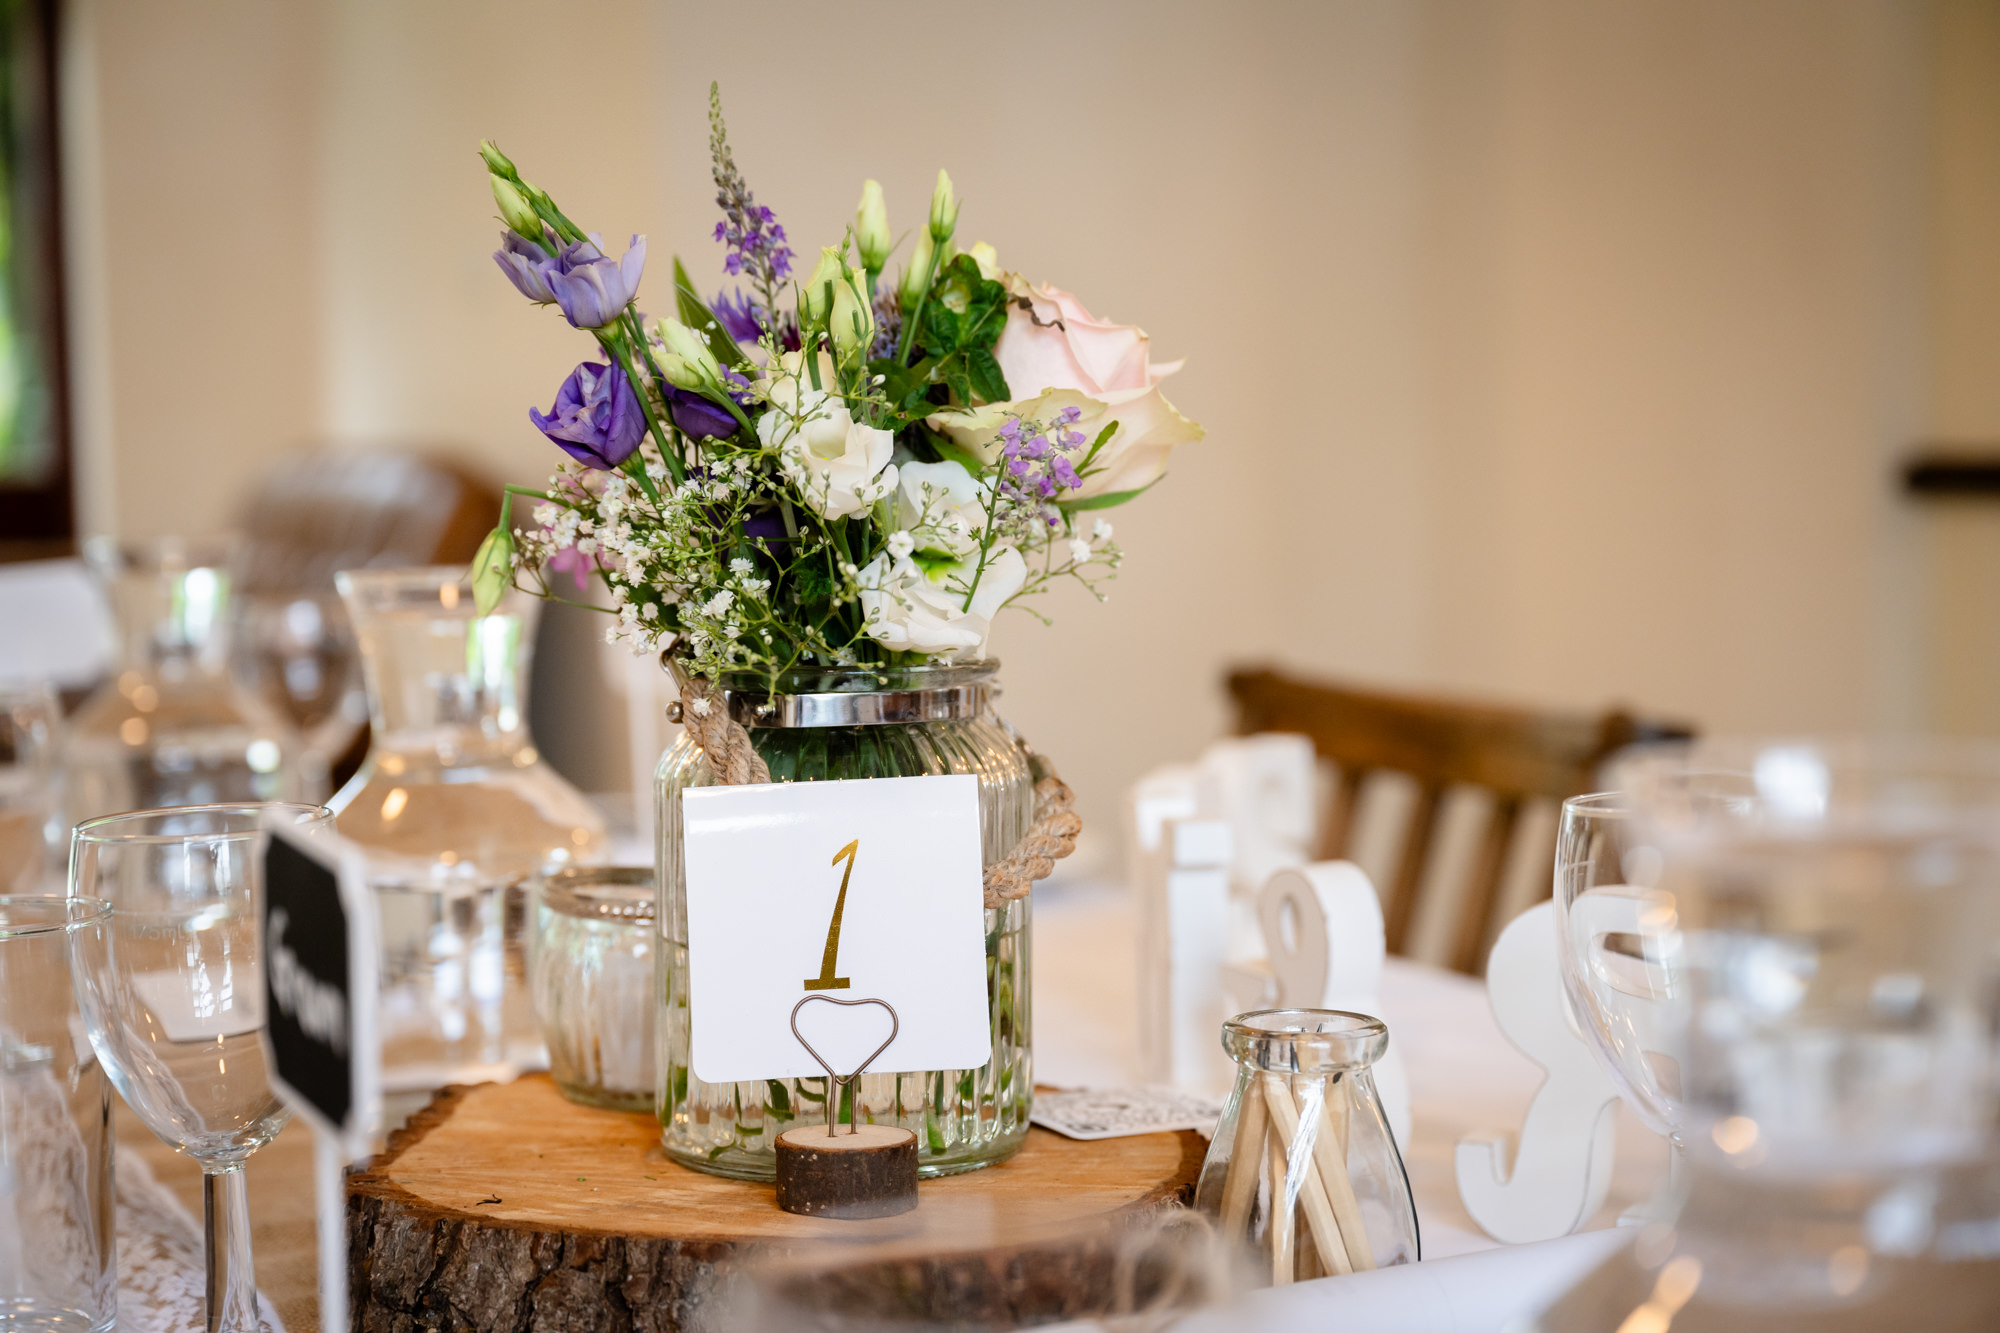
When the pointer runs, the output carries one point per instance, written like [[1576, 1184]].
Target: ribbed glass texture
[[963, 1118]]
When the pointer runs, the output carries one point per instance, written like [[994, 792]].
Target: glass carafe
[[453, 806], [1303, 1168], [859, 722], [172, 727]]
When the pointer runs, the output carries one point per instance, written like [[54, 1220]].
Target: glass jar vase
[[825, 724], [590, 967], [1303, 1168]]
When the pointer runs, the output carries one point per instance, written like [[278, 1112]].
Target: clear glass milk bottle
[[453, 805], [1303, 1167], [172, 727]]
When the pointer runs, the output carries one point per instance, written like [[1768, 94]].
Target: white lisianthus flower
[[909, 607], [841, 465], [944, 500]]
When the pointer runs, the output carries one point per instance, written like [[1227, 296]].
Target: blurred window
[[37, 511]]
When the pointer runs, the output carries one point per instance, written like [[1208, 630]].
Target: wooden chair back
[[1516, 755]]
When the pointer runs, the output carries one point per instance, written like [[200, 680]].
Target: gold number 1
[[826, 980]]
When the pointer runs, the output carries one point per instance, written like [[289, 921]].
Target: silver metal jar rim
[[864, 696]]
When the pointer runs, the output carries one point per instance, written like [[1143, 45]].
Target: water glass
[[171, 988], [57, 1257], [1830, 914], [590, 968], [30, 736]]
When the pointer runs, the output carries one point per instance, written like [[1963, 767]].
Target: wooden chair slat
[[1482, 898], [1516, 754], [1339, 830], [1410, 863]]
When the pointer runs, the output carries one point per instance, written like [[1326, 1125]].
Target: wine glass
[[171, 990], [1620, 947], [1832, 961]]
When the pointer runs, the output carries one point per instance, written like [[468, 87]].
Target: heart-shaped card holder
[[843, 1082]]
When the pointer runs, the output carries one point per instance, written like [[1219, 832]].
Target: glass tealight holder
[[590, 966], [1303, 1169]]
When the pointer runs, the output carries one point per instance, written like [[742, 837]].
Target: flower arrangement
[[829, 471]]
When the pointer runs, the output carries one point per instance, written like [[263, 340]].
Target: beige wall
[[1555, 351]]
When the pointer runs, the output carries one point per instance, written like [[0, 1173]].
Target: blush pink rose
[[1056, 344], [1056, 354]]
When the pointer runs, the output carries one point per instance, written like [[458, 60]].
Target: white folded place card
[[862, 889], [1114, 1113]]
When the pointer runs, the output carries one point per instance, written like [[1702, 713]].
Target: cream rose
[[922, 607], [840, 464], [1056, 354]]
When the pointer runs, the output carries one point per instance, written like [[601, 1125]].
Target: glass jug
[[172, 727], [453, 807], [1303, 1168]]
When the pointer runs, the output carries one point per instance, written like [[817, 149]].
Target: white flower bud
[[688, 362], [917, 277], [871, 227], [944, 209], [813, 295]]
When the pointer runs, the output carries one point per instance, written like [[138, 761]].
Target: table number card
[[851, 890]]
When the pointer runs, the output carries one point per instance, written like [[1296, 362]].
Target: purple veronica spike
[[596, 418], [591, 288], [525, 265]]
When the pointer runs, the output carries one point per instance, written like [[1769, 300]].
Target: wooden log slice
[[505, 1207], [867, 1171]]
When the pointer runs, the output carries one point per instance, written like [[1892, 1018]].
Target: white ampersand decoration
[[1323, 938], [1560, 1170]]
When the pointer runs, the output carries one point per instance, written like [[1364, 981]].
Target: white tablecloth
[[1464, 1077]]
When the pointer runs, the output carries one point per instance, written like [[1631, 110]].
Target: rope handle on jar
[[735, 762]]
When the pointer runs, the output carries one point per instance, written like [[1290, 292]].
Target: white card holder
[[1182, 899]]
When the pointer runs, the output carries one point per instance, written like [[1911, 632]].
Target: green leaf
[[988, 380], [781, 1103], [493, 567], [694, 313], [1109, 500], [963, 311], [1103, 436]]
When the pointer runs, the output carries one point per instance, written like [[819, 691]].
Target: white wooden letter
[[1323, 935], [1561, 1169]]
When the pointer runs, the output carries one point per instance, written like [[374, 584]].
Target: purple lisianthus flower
[[596, 419], [525, 264], [591, 288], [741, 318], [697, 417]]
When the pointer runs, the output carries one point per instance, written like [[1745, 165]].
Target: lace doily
[[162, 1280]]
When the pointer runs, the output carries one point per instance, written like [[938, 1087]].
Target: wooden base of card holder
[[504, 1206], [871, 1172]]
